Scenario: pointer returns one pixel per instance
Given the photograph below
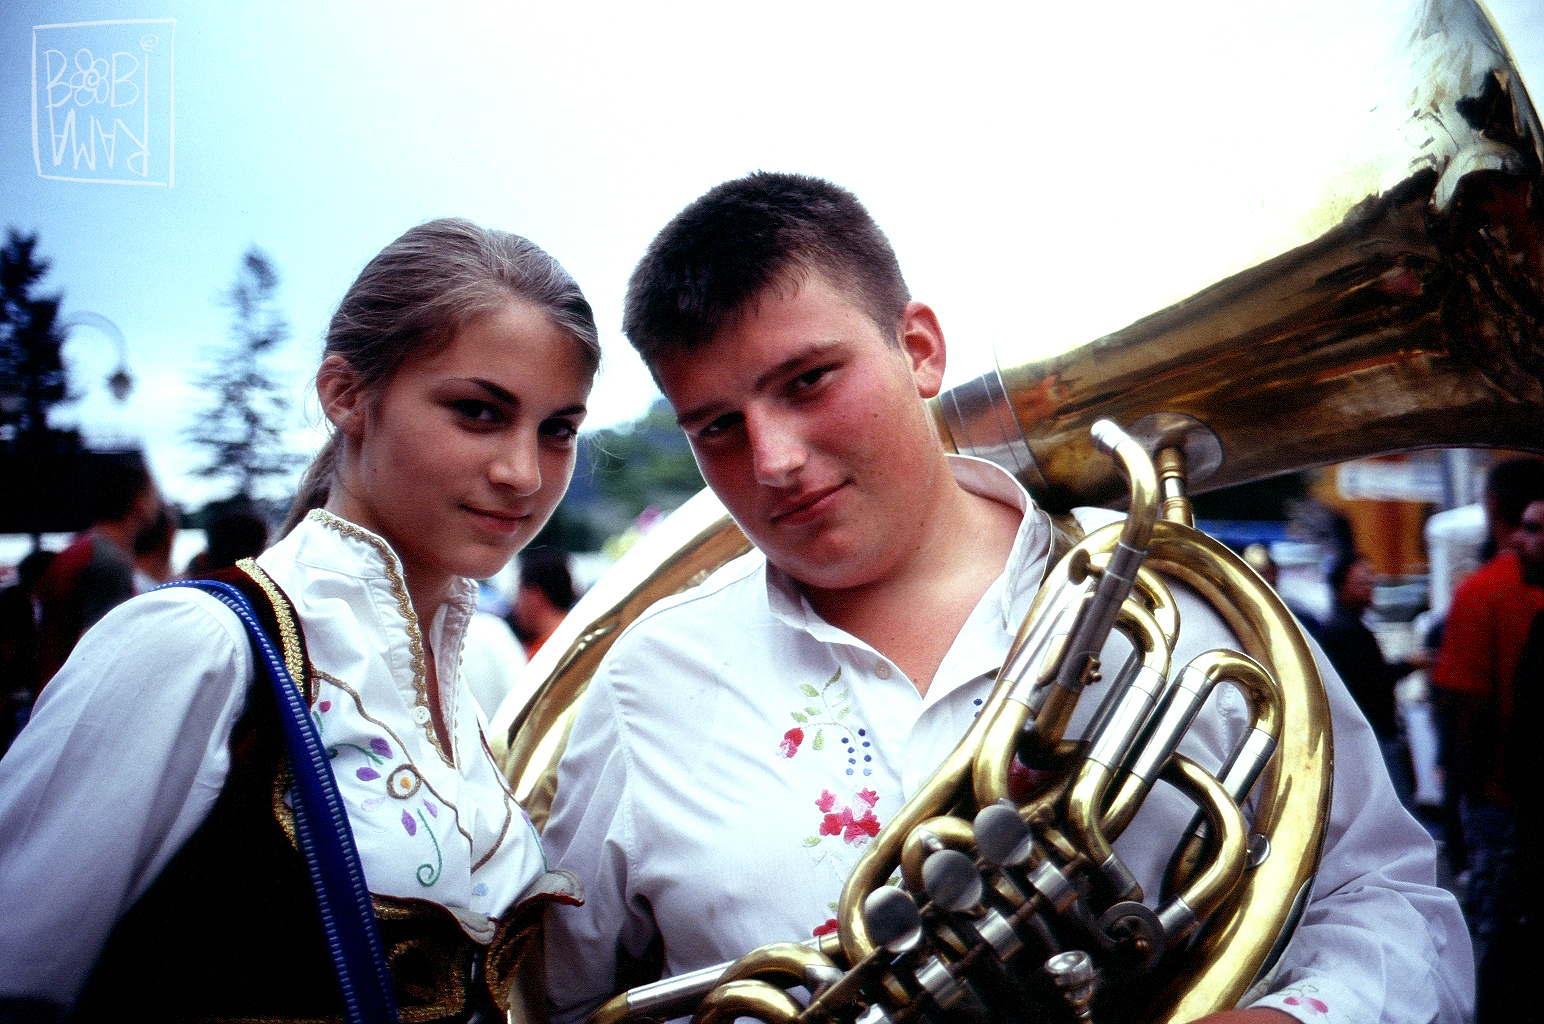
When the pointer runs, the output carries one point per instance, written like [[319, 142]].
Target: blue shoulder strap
[[322, 833]]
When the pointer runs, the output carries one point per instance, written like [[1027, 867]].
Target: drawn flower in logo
[[90, 81]]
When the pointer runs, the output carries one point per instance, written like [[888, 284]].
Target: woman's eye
[[718, 426], [560, 430], [477, 411]]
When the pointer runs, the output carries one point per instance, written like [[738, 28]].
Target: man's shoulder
[[733, 593], [1495, 580]]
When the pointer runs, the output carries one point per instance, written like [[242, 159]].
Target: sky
[[1047, 172]]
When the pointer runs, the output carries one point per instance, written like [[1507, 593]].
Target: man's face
[[807, 421], [1356, 588], [1528, 539]]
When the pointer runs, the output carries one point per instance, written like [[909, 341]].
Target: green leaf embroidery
[[801, 719], [809, 691], [820, 739]]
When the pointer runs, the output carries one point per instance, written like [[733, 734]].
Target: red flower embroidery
[[831, 824], [868, 797], [791, 740], [826, 801], [858, 830], [1317, 1005], [825, 929]]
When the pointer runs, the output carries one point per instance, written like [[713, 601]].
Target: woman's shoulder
[[164, 635]]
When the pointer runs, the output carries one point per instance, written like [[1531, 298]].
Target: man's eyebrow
[[812, 353]]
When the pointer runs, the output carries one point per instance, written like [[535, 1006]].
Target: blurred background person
[[545, 595], [1517, 939], [96, 571], [153, 551], [19, 610], [1482, 643], [1354, 651], [234, 531]]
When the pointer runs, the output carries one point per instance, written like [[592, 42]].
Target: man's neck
[[913, 615], [119, 535]]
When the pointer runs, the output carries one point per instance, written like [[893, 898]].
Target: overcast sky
[[1047, 174]]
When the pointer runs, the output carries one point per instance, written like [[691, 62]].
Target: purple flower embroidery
[[381, 747], [433, 810], [409, 824], [366, 774]]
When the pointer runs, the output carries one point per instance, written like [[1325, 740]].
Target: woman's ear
[[337, 388]]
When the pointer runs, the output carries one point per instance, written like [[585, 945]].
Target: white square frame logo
[[103, 102]]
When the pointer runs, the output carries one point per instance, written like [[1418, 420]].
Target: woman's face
[[461, 457]]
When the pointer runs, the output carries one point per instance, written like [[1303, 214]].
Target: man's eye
[[809, 378]]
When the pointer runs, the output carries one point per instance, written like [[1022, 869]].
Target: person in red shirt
[[1487, 624]]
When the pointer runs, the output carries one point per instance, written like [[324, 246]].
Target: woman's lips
[[496, 520]]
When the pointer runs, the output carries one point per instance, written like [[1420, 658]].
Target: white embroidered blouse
[[127, 751]]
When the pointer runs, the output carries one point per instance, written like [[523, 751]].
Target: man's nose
[[777, 447]]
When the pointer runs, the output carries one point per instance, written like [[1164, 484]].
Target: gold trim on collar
[[415, 637]]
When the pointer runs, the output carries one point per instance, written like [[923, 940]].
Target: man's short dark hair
[[1512, 485], [749, 234]]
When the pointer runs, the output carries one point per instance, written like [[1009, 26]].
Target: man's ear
[[922, 339], [337, 388]]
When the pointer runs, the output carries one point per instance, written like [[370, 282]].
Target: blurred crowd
[[1477, 671], [128, 548]]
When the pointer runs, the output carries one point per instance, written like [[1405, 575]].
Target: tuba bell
[[1403, 312]]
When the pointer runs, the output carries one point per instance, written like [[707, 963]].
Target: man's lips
[[803, 507]]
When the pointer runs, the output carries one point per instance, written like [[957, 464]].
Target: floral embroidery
[[402, 783], [855, 828], [829, 712], [1299, 997], [825, 929]]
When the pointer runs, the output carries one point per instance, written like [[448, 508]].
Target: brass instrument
[[1404, 315]]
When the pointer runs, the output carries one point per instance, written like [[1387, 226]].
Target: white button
[[420, 713], [882, 669]]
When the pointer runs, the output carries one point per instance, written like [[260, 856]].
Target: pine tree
[[32, 372], [242, 427]]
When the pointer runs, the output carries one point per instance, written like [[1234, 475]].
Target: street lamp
[[120, 382]]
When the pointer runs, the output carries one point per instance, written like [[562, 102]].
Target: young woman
[[147, 860]]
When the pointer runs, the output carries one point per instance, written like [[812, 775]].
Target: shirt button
[[420, 713], [882, 669]]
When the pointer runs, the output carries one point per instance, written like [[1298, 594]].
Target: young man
[[742, 742]]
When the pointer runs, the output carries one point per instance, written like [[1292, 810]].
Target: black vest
[[230, 929]]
